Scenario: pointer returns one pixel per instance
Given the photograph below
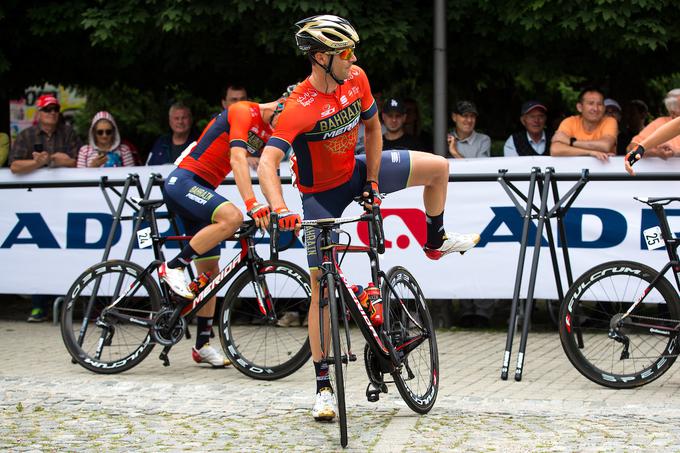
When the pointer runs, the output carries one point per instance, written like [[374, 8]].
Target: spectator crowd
[[601, 128]]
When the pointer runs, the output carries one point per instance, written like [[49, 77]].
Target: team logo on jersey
[[307, 98], [255, 142], [327, 110], [343, 99], [341, 122]]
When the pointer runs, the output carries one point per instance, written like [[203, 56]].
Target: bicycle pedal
[[373, 393], [164, 358], [352, 357]]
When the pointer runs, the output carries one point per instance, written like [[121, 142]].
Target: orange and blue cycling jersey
[[239, 126], [323, 130]]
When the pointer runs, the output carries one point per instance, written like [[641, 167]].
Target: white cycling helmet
[[325, 33]]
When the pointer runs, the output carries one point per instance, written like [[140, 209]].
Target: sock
[[203, 329], [323, 380], [435, 230], [184, 258]]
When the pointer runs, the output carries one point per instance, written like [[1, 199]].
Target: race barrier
[[54, 223]]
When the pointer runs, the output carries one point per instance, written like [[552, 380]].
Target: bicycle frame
[[378, 340], [671, 243]]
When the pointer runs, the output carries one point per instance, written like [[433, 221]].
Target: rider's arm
[[270, 183], [662, 134], [239, 165], [373, 144]]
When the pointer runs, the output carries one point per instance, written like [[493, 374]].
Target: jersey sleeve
[[239, 123], [368, 104], [292, 122]]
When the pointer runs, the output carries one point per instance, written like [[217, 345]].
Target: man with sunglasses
[[189, 191], [320, 122], [50, 143]]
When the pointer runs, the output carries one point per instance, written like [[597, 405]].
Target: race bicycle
[[619, 322], [116, 312], [403, 346]]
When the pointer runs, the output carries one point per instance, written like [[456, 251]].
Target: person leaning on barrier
[[590, 133], [50, 143], [670, 148], [168, 147], [104, 148], [464, 142], [533, 139], [661, 135], [4, 148]]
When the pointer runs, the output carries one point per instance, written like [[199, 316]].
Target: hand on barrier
[[288, 221], [632, 157], [258, 212]]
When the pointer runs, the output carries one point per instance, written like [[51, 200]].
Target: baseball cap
[[612, 103], [532, 105], [463, 107], [394, 105], [46, 100]]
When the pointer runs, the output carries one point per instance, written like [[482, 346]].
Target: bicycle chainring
[[164, 333], [373, 369]]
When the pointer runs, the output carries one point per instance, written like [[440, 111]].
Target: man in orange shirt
[[670, 148], [590, 133]]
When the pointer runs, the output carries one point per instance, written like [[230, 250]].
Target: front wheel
[[102, 342], [411, 331], [613, 349], [267, 346]]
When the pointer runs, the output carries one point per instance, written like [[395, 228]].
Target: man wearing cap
[[394, 119], [464, 141], [533, 140], [590, 133], [50, 143]]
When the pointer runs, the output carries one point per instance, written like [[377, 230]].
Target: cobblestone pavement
[[49, 404]]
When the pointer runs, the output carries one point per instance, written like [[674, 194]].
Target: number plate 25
[[653, 238]]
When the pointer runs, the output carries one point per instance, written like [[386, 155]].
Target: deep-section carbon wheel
[[411, 331], [261, 346], [105, 343], [606, 345]]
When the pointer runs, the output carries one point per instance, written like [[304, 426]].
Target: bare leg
[[432, 172]]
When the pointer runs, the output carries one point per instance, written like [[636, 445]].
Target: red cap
[[46, 100]]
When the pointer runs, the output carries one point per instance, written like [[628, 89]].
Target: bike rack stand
[[544, 182], [124, 199]]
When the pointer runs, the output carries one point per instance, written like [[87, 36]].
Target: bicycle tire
[[337, 366], [586, 313], [258, 347], [417, 379], [126, 344]]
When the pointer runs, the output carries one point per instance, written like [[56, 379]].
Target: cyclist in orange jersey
[[321, 122], [238, 132]]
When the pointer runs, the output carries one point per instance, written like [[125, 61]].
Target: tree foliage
[[500, 52]]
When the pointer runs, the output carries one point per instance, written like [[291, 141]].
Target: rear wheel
[[105, 343], [608, 348], [261, 346], [409, 326]]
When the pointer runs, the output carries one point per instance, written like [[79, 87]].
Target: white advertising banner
[[49, 236]]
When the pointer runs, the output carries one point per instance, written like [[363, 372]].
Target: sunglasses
[[104, 131], [344, 54], [52, 109]]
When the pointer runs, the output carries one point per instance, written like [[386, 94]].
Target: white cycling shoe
[[453, 242], [176, 280], [208, 354], [324, 407]]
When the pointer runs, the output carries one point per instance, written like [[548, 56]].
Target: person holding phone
[[50, 143], [104, 148]]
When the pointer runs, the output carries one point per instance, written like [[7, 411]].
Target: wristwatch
[[571, 141]]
